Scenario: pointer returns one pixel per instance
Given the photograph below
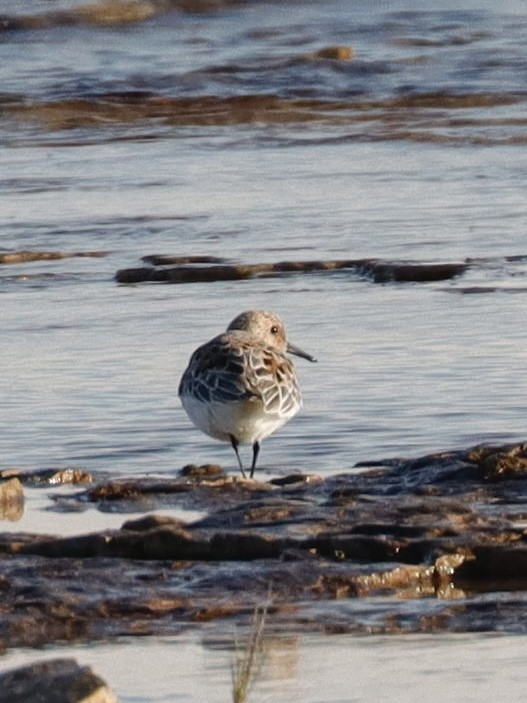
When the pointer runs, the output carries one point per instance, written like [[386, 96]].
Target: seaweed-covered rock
[[24, 257], [48, 477], [378, 271], [435, 543]]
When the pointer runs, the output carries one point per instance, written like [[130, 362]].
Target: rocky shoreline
[[409, 545]]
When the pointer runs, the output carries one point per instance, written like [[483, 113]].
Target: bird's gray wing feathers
[[215, 374], [223, 372]]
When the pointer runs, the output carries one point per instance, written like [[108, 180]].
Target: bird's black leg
[[235, 443], [256, 451]]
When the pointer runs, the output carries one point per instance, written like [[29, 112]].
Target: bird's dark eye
[[274, 329]]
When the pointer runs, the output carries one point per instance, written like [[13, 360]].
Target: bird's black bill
[[292, 349]]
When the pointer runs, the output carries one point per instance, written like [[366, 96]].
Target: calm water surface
[[156, 135], [91, 368], [368, 669]]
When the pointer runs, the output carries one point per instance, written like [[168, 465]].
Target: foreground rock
[[11, 499], [420, 545], [54, 681]]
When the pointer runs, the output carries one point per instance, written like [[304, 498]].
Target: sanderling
[[241, 387]]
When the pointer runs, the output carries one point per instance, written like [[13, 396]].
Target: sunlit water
[[90, 368]]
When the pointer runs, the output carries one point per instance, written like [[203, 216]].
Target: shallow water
[[368, 669], [222, 133], [91, 368]]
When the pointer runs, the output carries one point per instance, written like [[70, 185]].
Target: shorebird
[[240, 387]]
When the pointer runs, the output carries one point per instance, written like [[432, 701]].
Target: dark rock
[[11, 24], [384, 272], [149, 522], [184, 274], [378, 271], [163, 260], [295, 480], [135, 489], [245, 547], [205, 471], [498, 463], [502, 565], [144, 274], [356, 547], [54, 681], [170, 542], [334, 53]]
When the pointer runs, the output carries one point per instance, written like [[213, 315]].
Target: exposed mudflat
[[430, 544]]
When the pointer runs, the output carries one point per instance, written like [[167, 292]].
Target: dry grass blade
[[247, 662]]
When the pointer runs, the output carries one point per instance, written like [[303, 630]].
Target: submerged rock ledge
[[435, 543], [28, 256], [189, 271], [423, 117]]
